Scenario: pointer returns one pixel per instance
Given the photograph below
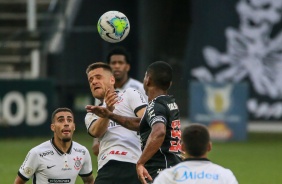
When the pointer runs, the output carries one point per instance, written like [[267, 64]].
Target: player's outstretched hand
[[111, 99], [98, 110], [143, 174]]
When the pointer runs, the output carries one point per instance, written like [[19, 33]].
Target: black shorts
[[116, 172]]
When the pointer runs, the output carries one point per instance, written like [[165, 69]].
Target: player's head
[[196, 140], [63, 124], [100, 78], [119, 60], [158, 74]]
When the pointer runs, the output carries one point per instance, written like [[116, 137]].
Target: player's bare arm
[[19, 180], [131, 123], [154, 142], [95, 146], [88, 179]]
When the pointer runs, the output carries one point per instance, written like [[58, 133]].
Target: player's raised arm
[[131, 123]]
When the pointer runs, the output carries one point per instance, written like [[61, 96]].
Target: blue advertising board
[[221, 107], [25, 107]]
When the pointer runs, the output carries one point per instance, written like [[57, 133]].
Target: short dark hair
[[196, 138], [61, 109], [161, 74], [119, 51], [93, 66]]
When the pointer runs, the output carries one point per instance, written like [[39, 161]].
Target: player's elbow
[[96, 132], [161, 133]]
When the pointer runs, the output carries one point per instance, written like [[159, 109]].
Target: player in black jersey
[[160, 126]]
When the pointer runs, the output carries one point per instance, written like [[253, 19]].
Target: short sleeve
[[136, 99], [156, 113], [86, 169], [231, 179], [29, 166], [89, 119]]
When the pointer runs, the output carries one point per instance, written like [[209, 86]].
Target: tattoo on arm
[[127, 122]]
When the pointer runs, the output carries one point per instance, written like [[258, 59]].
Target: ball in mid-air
[[113, 26]]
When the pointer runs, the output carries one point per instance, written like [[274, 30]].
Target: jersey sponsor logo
[[114, 152], [48, 152], [79, 150], [183, 173], [175, 133], [66, 168], [77, 163], [49, 167], [172, 106], [59, 180]]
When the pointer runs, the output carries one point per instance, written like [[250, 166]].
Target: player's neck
[[195, 157], [121, 83], [155, 92], [62, 145]]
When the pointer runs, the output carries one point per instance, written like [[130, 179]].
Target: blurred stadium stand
[[58, 39]]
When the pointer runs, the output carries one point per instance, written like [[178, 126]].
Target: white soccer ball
[[113, 26]]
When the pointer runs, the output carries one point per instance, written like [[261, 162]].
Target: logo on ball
[[113, 26]]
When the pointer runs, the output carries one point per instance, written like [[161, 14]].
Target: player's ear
[[52, 126], [127, 67], [112, 80], [183, 147], [209, 146]]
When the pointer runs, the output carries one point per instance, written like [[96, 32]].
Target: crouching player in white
[[59, 160], [196, 168]]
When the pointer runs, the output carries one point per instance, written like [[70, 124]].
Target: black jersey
[[162, 109]]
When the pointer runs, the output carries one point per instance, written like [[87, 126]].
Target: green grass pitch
[[258, 160]]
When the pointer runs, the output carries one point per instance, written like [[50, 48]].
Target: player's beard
[[66, 139]]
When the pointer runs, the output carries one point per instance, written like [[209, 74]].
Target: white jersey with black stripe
[[45, 163], [119, 143]]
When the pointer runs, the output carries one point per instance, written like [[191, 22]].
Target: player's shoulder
[[131, 91], [134, 94], [42, 148], [221, 169], [133, 82]]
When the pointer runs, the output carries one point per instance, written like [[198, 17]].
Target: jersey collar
[[60, 152], [196, 159]]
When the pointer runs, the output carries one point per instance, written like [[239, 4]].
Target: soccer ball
[[113, 26]]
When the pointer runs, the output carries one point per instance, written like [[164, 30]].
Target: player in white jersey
[[119, 60], [120, 148], [196, 168], [59, 160]]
